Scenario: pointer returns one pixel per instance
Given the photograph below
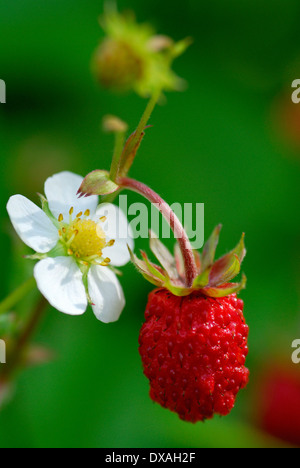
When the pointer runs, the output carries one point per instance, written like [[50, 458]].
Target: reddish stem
[[176, 226], [17, 353]]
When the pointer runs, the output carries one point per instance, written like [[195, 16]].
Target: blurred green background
[[231, 141]]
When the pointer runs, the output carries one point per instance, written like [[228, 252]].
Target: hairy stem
[[172, 219], [119, 144], [136, 138]]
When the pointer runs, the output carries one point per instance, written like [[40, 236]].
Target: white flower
[[77, 242]]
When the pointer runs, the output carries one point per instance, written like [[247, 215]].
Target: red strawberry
[[194, 342], [193, 351], [278, 402]]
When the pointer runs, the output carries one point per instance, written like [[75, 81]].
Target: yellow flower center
[[84, 238], [88, 238]]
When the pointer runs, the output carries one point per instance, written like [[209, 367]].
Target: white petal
[[116, 227], [32, 224], [118, 254], [61, 193], [60, 281], [106, 293]]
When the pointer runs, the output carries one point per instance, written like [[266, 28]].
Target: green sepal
[[179, 260], [202, 280], [224, 270], [213, 281], [129, 153], [226, 289], [229, 266], [46, 210], [163, 255], [85, 270], [177, 290], [36, 256], [97, 183], [58, 251], [198, 260], [155, 270], [115, 270], [209, 249], [179, 48], [142, 268]]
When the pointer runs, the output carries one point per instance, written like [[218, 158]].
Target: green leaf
[[97, 183]]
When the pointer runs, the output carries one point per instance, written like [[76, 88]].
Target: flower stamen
[[72, 238], [110, 243], [71, 215], [84, 238], [105, 262]]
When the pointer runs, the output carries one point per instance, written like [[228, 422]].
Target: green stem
[[148, 112], [145, 119], [125, 153], [119, 145], [10, 301], [111, 197]]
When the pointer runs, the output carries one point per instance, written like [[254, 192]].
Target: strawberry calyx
[[213, 277]]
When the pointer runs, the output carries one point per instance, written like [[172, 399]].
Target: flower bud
[[112, 124], [132, 57], [97, 183], [117, 65]]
